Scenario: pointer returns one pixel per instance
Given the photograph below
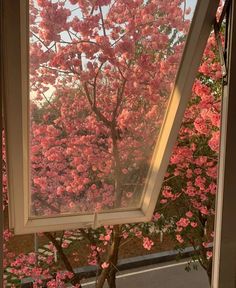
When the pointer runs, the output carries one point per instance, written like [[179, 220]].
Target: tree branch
[[102, 19]]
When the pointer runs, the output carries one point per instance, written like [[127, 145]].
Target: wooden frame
[[16, 107], [224, 256]]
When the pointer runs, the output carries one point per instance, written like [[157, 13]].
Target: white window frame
[[17, 123]]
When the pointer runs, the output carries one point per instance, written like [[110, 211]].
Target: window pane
[[101, 76]]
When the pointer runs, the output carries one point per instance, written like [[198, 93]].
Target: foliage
[[101, 73]]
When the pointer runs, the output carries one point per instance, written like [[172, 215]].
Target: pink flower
[[64, 244], [194, 224], [138, 233], [188, 11], [92, 262], [107, 237], [183, 222], [214, 142], [105, 265], [156, 216], [189, 214], [71, 205], [209, 254], [179, 238], [163, 201], [129, 194], [204, 210], [167, 192], [147, 243], [205, 244]]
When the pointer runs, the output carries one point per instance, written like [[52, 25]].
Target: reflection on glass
[[101, 74]]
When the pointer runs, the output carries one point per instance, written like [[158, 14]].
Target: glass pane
[[101, 76]]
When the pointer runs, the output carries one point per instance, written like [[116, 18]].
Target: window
[[93, 104]]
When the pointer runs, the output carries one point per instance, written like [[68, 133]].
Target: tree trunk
[[209, 271], [112, 278], [117, 169], [109, 273], [76, 278]]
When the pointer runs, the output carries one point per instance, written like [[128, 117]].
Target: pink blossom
[[156, 216], [179, 238], [205, 244], [204, 210], [147, 243], [209, 254], [125, 235], [107, 237], [189, 214], [194, 224], [105, 265], [214, 141], [183, 222]]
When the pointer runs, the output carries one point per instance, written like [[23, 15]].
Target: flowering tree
[[188, 196], [101, 73], [111, 78]]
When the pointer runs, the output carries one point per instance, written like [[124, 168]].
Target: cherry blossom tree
[[101, 73], [111, 77], [188, 195]]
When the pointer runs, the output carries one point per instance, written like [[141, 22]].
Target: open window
[[95, 95]]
